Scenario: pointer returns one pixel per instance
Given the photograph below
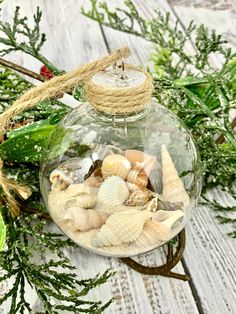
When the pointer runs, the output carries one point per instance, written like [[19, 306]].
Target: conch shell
[[173, 188], [122, 227], [69, 172], [115, 165], [158, 229], [80, 219], [112, 193], [167, 218]]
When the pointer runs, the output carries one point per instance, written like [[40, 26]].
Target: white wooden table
[[210, 257]]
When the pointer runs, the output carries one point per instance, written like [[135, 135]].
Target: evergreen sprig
[[201, 95], [32, 39], [54, 280]]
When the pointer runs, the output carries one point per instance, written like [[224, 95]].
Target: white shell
[[167, 218], [173, 188], [123, 227], [79, 189], [79, 219], [100, 151], [153, 233], [86, 201], [69, 172], [113, 192], [115, 165]]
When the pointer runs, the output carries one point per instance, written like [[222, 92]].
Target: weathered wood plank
[[210, 254], [216, 250]]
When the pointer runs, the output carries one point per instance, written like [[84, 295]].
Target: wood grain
[[210, 255]]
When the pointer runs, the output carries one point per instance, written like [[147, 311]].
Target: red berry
[[45, 72]]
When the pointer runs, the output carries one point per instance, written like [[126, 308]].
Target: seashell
[[153, 232], [115, 165], [132, 186], [167, 218], [135, 155], [149, 165], [86, 201], [69, 172], [123, 227], [139, 197], [113, 192], [168, 205], [79, 189], [138, 177], [80, 219], [100, 151], [95, 179], [173, 188], [152, 205]]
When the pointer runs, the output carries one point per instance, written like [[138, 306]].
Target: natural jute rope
[[49, 89], [122, 100]]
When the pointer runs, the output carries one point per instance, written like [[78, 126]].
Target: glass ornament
[[120, 183]]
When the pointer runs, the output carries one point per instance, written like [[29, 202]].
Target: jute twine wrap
[[121, 100], [49, 89]]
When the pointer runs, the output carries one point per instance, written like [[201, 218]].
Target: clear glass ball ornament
[[124, 184]]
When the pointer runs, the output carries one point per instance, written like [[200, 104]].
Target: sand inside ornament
[[118, 203]]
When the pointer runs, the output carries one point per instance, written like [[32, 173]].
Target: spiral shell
[[95, 179], [173, 188], [137, 176], [153, 233], [139, 197], [86, 201], [115, 165], [100, 151], [112, 193], [168, 218], [123, 227], [69, 172], [78, 189], [152, 205], [79, 219]]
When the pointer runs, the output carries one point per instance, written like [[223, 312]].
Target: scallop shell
[[123, 227], [173, 188], [167, 218], [80, 219], [139, 197], [113, 192], [69, 172], [115, 165]]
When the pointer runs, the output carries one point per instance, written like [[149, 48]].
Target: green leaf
[[2, 233], [27, 144]]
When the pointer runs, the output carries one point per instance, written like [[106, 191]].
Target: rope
[[123, 100], [9, 185], [49, 89]]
